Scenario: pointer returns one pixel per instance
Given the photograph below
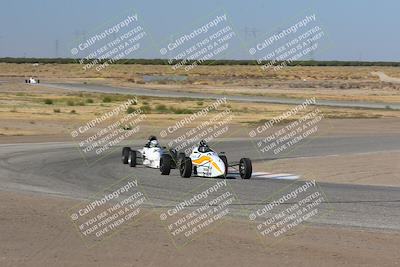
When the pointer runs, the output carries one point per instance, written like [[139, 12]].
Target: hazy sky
[[355, 29]]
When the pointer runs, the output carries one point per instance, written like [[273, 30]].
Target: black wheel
[[132, 158], [225, 160], [185, 167], [174, 162], [125, 154], [165, 164], [245, 168], [26, 81], [38, 81]]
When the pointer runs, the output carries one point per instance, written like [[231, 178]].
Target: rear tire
[[185, 167], [225, 160], [125, 154], [245, 168], [165, 164], [132, 158]]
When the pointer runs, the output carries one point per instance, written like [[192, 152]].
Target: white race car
[[205, 162], [32, 80], [151, 155]]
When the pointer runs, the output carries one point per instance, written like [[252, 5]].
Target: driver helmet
[[152, 137], [203, 147], [154, 143], [150, 142]]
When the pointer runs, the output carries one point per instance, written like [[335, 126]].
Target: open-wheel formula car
[[205, 162], [32, 80], [152, 155]]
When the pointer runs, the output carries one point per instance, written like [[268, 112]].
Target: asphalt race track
[[58, 169], [161, 93]]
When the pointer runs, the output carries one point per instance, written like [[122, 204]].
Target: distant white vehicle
[[32, 80]]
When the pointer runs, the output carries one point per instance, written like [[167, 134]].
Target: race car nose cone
[[219, 165]]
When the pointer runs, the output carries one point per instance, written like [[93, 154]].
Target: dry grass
[[23, 110], [119, 71]]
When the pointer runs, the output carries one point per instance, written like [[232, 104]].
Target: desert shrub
[[146, 109], [181, 110], [107, 99], [161, 108], [48, 102], [130, 110]]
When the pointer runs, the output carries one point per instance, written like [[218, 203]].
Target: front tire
[[165, 164], [132, 158], [125, 154], [185, 167], [245, 168]]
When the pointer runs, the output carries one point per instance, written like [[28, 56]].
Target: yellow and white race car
[[205, 162]]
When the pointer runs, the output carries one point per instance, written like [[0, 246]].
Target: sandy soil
[[385, 78], [35, 231]]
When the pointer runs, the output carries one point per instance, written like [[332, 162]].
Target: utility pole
[[312, 51], [250, 32], [56, 48]]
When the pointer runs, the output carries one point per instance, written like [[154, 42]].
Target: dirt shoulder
[[35, 231]]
